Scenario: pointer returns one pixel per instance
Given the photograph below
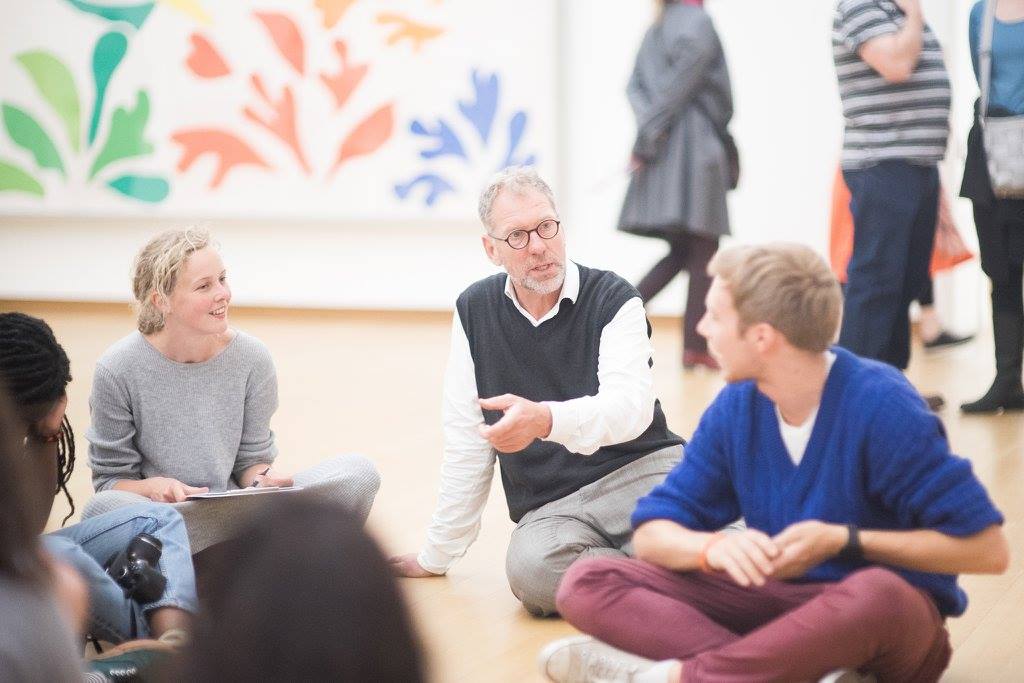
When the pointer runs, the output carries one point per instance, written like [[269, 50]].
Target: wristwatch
[[853, 551]]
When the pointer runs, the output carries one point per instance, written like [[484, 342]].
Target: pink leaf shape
[[368, 136], [230, 151], [333, 10], [343, 83], [204, 60], [286, 37], [282, 122]]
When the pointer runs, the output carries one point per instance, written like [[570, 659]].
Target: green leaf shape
[[126, 135], [152, 189], [133, 14], [106, 57], [26, 132], [13, 179], [57, 86]]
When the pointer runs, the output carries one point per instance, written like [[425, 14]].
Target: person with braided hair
[[36, 372], [183, 405]]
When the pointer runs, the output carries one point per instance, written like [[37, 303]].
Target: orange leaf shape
[[333, 10], [368, 136], [344, 83], [230, 151], [286, 37], [408, 29], [282, 122], [205, 61]]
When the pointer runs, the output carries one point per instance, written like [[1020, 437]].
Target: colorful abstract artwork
[[125, 138], [276, 113], [332, 108]]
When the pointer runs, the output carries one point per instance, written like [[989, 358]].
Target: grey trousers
[[591, 522], [351, 480]]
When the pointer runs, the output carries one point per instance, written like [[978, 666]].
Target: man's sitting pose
[[859, 518], [550, 366]]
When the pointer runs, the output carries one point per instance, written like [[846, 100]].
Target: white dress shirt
[[620, 411]]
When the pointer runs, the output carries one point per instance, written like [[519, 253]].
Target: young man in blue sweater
[[858, 516]]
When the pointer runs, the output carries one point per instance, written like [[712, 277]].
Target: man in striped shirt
[[896, 97]]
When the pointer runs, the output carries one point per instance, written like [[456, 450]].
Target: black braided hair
[[36, 372]]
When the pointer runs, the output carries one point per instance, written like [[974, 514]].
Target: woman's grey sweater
[[200, 423]]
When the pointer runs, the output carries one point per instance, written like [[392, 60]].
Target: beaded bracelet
[[702, 559]]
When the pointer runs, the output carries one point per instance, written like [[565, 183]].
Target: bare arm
[[807, 544], [894, 56], [985, 552]]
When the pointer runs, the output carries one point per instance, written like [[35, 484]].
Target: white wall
[[787, 124]]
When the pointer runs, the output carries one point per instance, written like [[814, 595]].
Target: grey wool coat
[[681, 96]]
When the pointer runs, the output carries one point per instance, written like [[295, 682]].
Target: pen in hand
[[255, 482]]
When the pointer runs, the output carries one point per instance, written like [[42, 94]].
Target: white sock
[[656, 673]]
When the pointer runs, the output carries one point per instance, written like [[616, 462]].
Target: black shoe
[[996, 399], [946, 340], [935, 402]]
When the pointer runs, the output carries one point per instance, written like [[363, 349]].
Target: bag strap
[[985, 55]]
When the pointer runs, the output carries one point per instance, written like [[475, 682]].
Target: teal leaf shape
[[57, 86], [106, 57], [150, 189], [133, 14], [13, 179], [26, 132], [126, 135]]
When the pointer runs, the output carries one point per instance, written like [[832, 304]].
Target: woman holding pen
[[183, 405]]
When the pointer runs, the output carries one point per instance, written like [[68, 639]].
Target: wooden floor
[[371, 383]]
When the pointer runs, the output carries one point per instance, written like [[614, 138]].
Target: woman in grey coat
[[682, 100]]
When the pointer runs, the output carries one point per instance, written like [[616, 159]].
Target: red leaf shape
[[229, 149], [344, 82], [205, 61], [368, 136], [286, 37], [282, 122]]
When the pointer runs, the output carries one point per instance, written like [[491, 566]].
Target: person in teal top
[[1007, 54], [1000, 222]]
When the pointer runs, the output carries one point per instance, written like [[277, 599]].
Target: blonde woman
[[183, 405]]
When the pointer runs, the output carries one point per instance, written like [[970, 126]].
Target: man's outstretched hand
[[408, 566], [522, 422]]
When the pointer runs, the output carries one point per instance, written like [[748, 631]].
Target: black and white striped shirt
[[907, 121]]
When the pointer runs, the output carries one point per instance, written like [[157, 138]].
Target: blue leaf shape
[[516, 129], [482, 110], [447, 142], [133, 14], [436, 185]]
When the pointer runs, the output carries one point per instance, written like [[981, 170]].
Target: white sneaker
[[582, 659]]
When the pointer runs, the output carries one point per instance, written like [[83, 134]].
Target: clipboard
[[236, 493]]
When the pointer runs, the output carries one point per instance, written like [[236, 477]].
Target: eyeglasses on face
[[518, 239]]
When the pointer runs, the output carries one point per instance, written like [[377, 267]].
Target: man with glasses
[[550, 373]]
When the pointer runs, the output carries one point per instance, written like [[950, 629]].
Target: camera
[[134, 569]]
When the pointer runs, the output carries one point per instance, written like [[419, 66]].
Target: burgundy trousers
[[873, 621]]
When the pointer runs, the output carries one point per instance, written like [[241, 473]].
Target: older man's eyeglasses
[[518, 239]]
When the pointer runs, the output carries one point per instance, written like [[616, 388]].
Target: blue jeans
[[894, 205], [90, 543]]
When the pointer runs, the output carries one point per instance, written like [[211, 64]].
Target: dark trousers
[[690, 252], [872, 620], [894, 206]]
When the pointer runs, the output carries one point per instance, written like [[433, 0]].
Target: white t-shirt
[[796, 437]]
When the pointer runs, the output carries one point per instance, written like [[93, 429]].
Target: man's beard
[[544, 286]]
